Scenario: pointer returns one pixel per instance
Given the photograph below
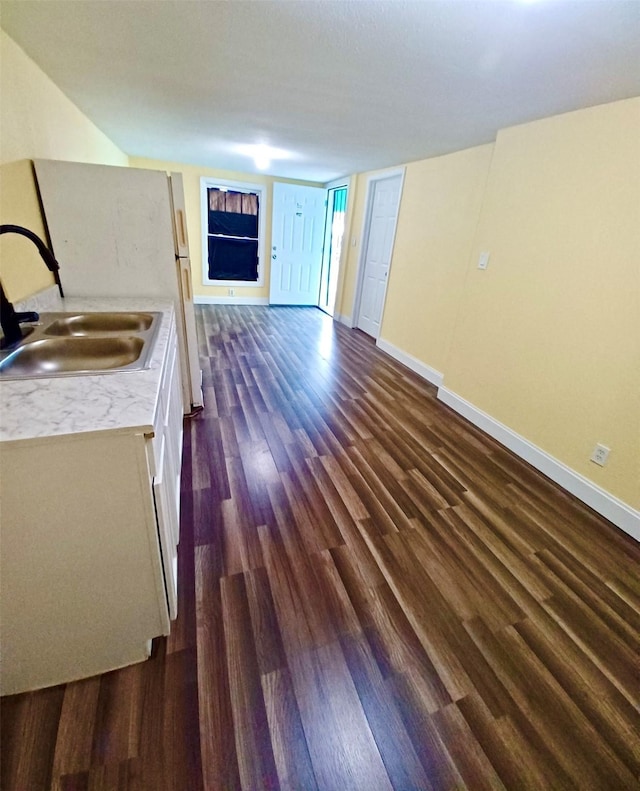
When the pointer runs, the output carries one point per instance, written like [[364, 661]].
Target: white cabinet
[[166, 462], [90, 527]]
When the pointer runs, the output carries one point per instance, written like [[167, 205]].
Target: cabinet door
[[165, 517], [81, 574], [172, 431]]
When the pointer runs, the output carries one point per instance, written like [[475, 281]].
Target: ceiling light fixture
[[262, 159], [262, 154]]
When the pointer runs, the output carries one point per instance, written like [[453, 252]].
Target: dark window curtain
[[232, 224], [231, 215], [233, 259]]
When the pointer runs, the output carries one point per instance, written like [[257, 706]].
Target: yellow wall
[[191, 176], [441, 201], [437, 219], [548, 337], [36, 121], [22, 271]]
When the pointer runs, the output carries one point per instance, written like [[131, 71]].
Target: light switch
[[483, 261]]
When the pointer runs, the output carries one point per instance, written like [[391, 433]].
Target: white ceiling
[[344, 86]]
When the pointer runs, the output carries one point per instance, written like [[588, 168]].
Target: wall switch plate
[[483, 261], [600, 455]]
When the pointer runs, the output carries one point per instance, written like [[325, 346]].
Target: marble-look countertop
[[38, 408]]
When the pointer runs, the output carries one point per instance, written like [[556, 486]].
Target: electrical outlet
[[232, 292], [600, 455]]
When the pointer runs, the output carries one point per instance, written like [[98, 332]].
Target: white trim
[[239, 186], [417, 366], [344, 183], [346, 320], [622, 515], [326, 248], [368, 203], [199, 299]]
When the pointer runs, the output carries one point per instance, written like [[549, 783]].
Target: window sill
[[235, 283]]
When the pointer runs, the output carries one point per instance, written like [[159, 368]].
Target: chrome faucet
[[10, 319]]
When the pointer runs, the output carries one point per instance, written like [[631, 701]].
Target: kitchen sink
[[91, 323], [72, 344], [73, 355]]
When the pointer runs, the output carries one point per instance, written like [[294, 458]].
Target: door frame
[[343, 183], [373, 179]]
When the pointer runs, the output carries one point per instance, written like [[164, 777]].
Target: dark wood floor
[[373, 595]]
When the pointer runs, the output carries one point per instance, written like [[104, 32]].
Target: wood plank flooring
[[373, 595]]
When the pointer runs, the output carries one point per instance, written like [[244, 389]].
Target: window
[[233, 215]]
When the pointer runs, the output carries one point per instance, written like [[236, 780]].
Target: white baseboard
[[622, 515], [417, 366], [346, 320], [202, 300]]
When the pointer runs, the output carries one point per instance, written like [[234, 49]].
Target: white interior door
[[384, 200], [297, 238]]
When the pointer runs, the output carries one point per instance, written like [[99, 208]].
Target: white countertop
[[39, 408]]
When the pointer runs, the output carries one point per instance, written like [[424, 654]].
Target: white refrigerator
[[121, 232]]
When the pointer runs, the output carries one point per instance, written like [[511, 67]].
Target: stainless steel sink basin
[[91, 323], [72, 344], [50, 356]]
